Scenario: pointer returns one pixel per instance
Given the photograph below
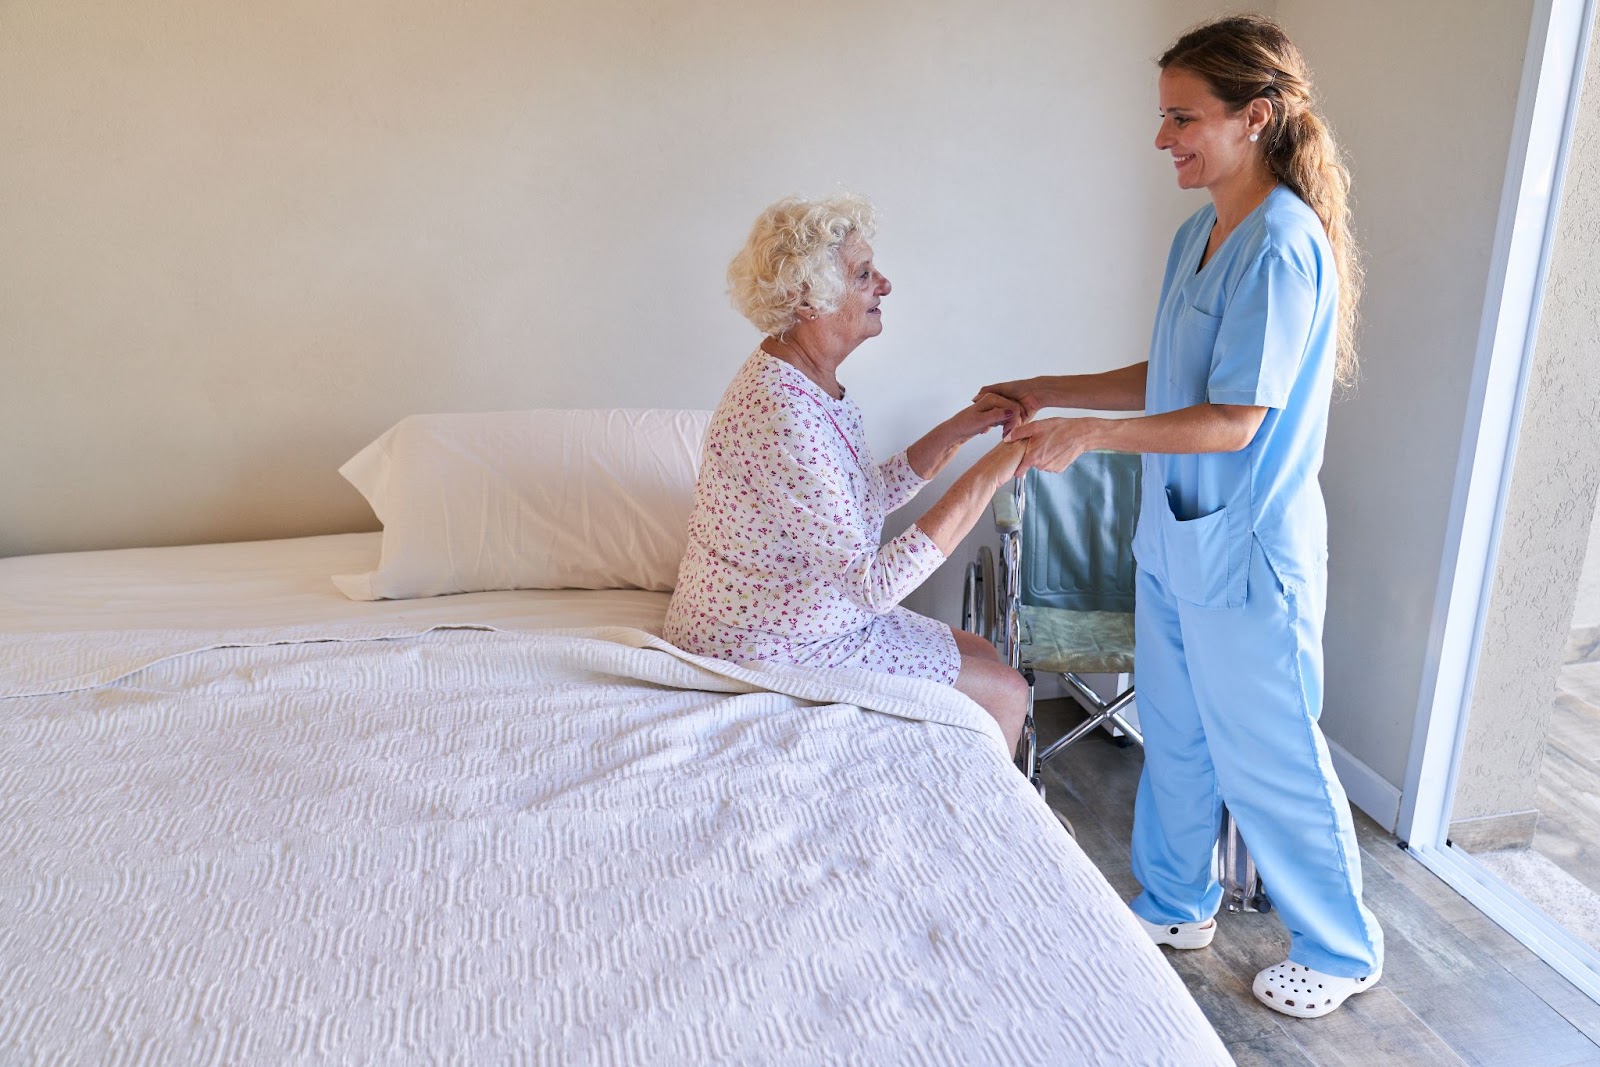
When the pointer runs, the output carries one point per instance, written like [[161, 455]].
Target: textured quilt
[[472, 847]]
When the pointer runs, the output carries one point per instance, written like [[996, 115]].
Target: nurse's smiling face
[[1210, 146]]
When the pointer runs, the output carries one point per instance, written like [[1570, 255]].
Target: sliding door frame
[[1547, 102]]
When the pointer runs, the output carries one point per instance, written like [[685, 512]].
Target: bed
[[244, 818]]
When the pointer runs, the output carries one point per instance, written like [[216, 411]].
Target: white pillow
[[528, 500]]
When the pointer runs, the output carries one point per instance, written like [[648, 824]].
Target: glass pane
[[1554, 861]]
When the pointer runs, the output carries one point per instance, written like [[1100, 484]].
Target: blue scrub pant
[[1228, 702]]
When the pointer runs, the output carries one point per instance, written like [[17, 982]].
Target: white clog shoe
[[1179, 935], [1305, 993]]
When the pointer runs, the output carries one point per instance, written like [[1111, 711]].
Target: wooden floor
[[1569, 777], [1456, 988]]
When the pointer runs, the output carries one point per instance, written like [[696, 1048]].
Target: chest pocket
[[1193, 340]]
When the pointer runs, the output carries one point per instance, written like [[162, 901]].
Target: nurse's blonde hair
[[792, 256], [1249, 57]]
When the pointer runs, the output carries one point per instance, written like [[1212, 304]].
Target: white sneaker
[[1305, 993], [1179, 935]]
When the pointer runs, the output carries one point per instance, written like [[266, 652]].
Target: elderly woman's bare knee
[[999, 690], [970, 644]]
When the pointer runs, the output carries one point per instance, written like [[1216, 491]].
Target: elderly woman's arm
[[800, 505], [935, 449], [905, 562], [953, 517]]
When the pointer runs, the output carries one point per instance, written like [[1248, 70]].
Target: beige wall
[[1549, 510], [1423, 96], [242, 239]]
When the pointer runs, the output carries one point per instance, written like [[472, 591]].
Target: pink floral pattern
[[784, 562]]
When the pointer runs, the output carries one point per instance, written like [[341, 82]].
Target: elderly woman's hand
[[1052, 444], [986, 412], [938, 446]]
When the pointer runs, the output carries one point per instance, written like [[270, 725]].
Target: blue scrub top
[[1257, 325]]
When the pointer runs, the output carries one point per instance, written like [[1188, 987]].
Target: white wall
[[243, 238]]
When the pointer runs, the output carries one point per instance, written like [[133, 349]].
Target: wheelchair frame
[[992, 608]]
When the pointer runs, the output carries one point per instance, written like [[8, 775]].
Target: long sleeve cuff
[[899, 567], [900, 481]]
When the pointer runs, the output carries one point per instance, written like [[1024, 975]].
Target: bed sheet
[[474, 845], [79, 619]]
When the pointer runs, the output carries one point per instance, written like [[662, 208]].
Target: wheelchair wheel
[[980, 596]]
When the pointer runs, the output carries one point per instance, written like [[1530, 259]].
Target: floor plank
[[1575, 725], [1582, 680], [1456, 989], [1569, 814]]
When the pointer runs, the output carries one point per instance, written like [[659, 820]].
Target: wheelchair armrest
[[1007, 515]]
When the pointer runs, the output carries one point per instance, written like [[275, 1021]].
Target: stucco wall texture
[[1550, 508]]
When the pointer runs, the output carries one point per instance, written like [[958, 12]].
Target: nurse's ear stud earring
[[1254, 137]]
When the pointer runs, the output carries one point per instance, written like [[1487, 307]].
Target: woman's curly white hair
[[792, 256]]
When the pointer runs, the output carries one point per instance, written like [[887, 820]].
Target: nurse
[[1253, 330]]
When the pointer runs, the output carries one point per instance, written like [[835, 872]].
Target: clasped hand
[[987, 411], [1050, 444]]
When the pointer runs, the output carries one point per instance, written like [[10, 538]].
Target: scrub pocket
[[1208, 560]]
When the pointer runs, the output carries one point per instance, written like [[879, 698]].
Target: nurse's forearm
[[1113, 390], [1187, 431], [1053, 444]]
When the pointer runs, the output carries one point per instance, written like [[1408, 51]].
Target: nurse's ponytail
[[1248, 57]]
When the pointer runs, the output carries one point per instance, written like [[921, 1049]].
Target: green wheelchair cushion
[[1083, 642]]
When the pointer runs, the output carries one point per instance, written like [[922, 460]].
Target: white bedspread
[[80, 619], [475, 846]]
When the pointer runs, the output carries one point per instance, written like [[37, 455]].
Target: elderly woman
[[784, 562]]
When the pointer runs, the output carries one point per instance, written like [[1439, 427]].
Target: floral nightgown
[[784, 561]]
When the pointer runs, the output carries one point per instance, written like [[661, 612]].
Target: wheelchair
[[1061, 600]]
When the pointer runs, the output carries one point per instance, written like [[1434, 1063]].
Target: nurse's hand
[[1052, 444], [1031, 394]]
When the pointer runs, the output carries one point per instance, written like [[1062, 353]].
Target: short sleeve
[[1265, 330]]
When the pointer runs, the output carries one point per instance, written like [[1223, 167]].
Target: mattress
[[245, 820]]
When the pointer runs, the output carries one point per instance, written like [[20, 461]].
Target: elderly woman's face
[[858, 316]]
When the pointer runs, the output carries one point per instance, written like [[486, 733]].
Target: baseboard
[[1366, 788], [1488, 833]]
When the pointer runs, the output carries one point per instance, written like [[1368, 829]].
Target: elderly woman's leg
[[991, 682]]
